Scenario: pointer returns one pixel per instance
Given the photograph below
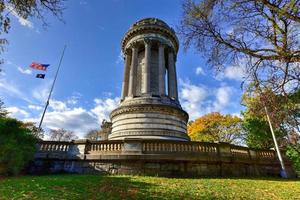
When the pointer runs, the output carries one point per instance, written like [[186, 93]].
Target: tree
[[284, 117], [17, 146], [3, 112], [27, 9], [62, 135], [216, 127], [293, 153], [261, 36], [35, 131], [93, 134], [258, 134]]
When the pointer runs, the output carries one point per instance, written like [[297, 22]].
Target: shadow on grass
[[66, 186], [72, 186]]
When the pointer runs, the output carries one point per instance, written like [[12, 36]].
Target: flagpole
[[283, 171], [47, 102]]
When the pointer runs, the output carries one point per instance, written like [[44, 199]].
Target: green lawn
[[133, 187]]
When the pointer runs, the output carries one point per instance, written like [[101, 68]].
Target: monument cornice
[[150, 27]]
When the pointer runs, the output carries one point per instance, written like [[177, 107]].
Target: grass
[[134, 187]]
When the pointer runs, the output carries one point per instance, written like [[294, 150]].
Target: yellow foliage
[[215, 127]]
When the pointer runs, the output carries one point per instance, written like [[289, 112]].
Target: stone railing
[[105, 147], [53, 146], [158, 149], [156, 157], [176, 147]]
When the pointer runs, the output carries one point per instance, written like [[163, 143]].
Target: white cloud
[[200, 71], [24, 71], [57, 105], [73, 100], [103, 107], [192, 98], [235, 73], [11, 89], [223, 95], [34, 107], [78, 120], [17, 112], [193, 93], [198, 100], [25, 22], [41, 92]]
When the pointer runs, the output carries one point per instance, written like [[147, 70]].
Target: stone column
[[133, 71], [126, 76], [146, 69], [172, 79], [162, 70]]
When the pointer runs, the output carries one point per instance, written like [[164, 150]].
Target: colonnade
[[131, 67]]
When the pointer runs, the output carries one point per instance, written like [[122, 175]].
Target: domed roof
[[150, 25], [151, 21]]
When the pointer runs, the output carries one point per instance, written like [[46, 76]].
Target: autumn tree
[[27, 9], [62, 135], [216, 127], [284, 116], [261, 36]]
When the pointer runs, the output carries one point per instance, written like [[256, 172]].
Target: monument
[[149, 107], [147, 133]]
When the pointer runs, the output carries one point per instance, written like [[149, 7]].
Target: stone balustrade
[[176, 147], [51, 146], [154, 147], [156, 157], [100, 147]]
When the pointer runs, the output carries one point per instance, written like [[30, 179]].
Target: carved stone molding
[[151, 25], [164, 109]]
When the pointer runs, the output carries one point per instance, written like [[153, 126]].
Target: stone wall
[[155, 157]]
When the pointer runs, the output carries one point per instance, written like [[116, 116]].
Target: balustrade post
[[224, 150], [132, 147]]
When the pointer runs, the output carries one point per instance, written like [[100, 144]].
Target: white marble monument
[[149, 107]]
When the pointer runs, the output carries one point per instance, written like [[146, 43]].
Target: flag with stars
[[39, 66]]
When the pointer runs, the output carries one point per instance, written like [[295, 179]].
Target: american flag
[[39, 66]]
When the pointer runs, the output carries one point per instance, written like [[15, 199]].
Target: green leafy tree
[[293, 153], [283, 112], [258, 134], [216, 127], [17, 146]]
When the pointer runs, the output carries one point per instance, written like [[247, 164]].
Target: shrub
[[293, 153], [17, 146]]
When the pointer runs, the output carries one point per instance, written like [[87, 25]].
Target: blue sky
[[89, 83]]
